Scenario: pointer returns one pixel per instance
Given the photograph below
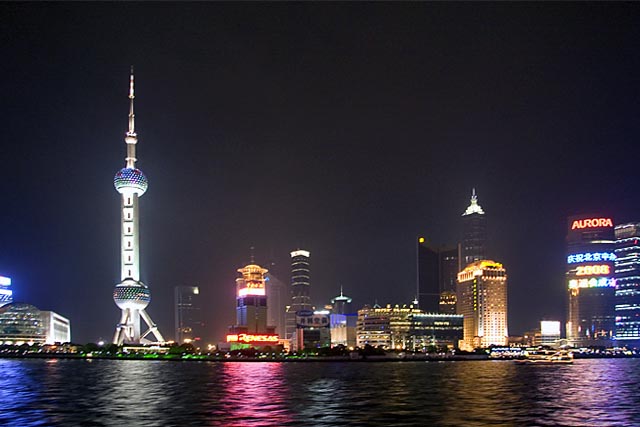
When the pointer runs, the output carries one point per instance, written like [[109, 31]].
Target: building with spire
[[251, 328], [131, 295], [474, 232]]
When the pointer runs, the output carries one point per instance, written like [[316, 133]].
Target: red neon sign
[[250, 338], [592, 223]]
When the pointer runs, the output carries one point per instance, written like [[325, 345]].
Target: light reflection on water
[[155, 393]]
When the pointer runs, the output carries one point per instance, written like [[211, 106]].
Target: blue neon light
[[591, 256]]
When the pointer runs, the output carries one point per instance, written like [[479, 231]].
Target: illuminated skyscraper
[[188, 314], [627, 274], [590, 280], [474, 232], [300, 286], [6, 294], [131, 295], [482, 300], [251, 328]]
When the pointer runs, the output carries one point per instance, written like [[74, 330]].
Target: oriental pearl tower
[[131, 295]]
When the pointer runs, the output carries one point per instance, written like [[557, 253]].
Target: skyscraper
[[437, 274], [627, 274], [474, 232], [188, 314], [277, 291], [482, 300], [251, 328], [131, 295], [300, 287], [590, 280]]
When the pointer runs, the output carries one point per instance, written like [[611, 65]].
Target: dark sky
[[346, 129]]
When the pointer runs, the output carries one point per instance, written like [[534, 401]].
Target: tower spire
[[131, 138]]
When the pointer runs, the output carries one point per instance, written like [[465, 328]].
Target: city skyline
[[348, 130]]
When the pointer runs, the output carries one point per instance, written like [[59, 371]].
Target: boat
[[547, 357]]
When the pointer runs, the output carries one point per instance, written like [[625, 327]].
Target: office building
[[56, 327], [22, 323], [474, 232], [6, 294], [591, 283], [131, 295], [300, 290], [251, 328], [437, 272], [189, 325], [482, 300], [550, 332], [434, 330], [313, 330], [627, 275], [277, 292]]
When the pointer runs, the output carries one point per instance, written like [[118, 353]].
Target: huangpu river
[[60, 392]]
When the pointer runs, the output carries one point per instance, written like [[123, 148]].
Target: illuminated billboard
[[593, 270], [253, 338], [593, 282], [591, 257], [6, 294], [591, 223]]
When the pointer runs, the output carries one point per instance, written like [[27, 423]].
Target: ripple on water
[[156, 393]]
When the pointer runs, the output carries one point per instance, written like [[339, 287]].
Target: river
[[60, 392]]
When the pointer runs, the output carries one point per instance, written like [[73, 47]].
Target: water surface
[[44, 392]]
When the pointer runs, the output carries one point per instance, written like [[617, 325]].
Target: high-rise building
[[131, 295], [437, 272], [6, 294], [627, 274], [188, 314], [590, 280], [276, 295], [341, 304], [300, 290], [251, 328], [482, 300], [474, 232]]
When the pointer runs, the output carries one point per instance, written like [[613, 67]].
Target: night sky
[[346, 129]]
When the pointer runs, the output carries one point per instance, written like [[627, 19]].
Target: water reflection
[[253, 394], [154, 393]]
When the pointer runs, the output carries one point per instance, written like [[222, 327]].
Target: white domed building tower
[[131, 295]]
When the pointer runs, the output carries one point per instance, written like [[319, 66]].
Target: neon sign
[[249, 338], [251, 291], [592, 223], [593, 270], [601, 282], [591, 256]]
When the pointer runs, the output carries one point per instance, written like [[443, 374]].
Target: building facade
[[276, 309], [437, 272], [131, 295], [251, 328], [189, 325], [300, 290], [22, 323], [627, 275], [474, 232], [482, 300], [591, 284]]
